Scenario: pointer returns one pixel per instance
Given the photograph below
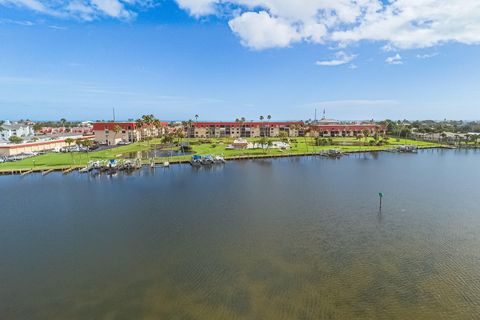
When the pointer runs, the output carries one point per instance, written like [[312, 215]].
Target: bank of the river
[[299, 147]]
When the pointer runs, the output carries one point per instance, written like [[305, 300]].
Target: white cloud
[[396, 59], [82, 9], [198, 7], [112, 8], [340, 58], [402, 24], [262, 24], [30, 4], [260, 30], [427, 55]]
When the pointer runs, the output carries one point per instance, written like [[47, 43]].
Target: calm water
[[296, 238]]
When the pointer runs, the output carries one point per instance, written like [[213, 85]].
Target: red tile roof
[[110, 125], [246, 123], [346, 127]]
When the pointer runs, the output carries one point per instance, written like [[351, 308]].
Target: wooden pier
[[44, 173]]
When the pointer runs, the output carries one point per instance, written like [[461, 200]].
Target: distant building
[[85, 130], [345, 129], [11, 129], [113, 133], [245, 129], [38, 146], [324, 127]]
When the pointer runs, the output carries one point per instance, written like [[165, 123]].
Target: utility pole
[[113, 114]]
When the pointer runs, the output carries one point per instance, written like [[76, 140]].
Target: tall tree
[[69, 141], [262, 128], [116, 130]]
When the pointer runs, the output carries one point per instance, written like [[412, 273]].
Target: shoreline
[[70, 168]]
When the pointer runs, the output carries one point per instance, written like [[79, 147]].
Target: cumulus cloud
[[260, 30], [262, 24], [82, 9], [340, 58], [198, 7], [30, 4], [402, 24], [396, 59]]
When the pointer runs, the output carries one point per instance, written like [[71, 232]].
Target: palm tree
[[87, 144], [179, 134], [366, 133], [262, 127], [190, 126], [69, 141], [283, 136], [306, 131], [116, 130], [242, 123], [443, 135], [63, 121]]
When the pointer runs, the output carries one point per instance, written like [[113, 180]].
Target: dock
[[66, 171], [44, 173], [26, 172]]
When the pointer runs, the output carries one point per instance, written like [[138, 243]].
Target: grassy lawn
[[55, 160], [215, 146]]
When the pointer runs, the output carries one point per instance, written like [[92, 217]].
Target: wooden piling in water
[[26, 172], [68, 170], [44, 173]]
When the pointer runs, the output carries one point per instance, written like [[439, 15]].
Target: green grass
[[216, 147]]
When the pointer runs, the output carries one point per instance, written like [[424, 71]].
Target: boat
[[128, 165], [166, 164], [88, 168], [196, 160], [207, 159], [219, 159], [97, 165], [333, 153], [112, 164], [407, 148]]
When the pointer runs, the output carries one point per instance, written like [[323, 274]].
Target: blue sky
[[227, 60]]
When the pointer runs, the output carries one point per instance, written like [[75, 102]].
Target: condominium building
[[113, 133], [345, 130], [243, 129], [10, 129]]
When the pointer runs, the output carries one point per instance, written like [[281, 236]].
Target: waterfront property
[[346, 130], [113, 133], [254, 129], [216, 146], [41, 145], [239, 129]]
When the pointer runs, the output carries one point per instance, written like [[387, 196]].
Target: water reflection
[[293, 238]]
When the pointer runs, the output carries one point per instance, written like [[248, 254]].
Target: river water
[[292, 238]]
